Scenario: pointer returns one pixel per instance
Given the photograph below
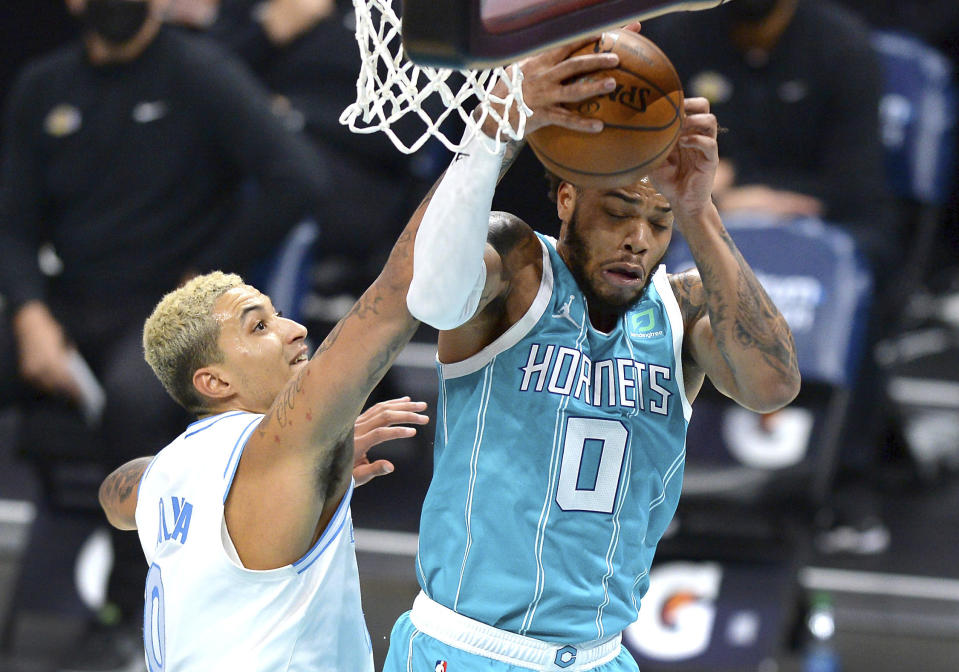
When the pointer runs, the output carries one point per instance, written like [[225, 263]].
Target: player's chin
[[620, 298], [618, 290]]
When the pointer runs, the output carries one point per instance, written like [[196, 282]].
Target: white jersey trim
[[332, 531], [241, 445], [199, 425], [477, 638], [514, 334], [661, 282]]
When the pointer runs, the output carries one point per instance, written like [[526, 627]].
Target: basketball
[[642, 116]]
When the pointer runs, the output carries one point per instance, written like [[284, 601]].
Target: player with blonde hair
[[181, 335]]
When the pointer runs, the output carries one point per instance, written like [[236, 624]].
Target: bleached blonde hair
[[181, 335]]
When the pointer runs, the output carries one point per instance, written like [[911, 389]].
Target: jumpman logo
[[564, 311]]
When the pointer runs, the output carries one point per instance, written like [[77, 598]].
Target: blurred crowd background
[[202, 134]]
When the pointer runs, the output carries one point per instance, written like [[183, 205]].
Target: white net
[[391, 87]]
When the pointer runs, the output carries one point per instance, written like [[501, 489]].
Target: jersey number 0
[[593, 453], [154, 632]]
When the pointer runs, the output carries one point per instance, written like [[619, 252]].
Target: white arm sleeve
[[449, 272]]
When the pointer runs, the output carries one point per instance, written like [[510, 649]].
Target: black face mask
[[749, 10], [116, 21]]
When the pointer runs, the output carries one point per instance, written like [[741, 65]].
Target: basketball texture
[[642, 116]]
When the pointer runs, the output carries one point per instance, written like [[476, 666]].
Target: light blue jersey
[[558, 465]]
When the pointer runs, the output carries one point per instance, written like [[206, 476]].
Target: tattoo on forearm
[[120, 485], [403, 248], [513, 149], [384, 360], [364, 307], [717, 309], [758, 323]]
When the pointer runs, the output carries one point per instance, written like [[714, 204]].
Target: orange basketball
[[642, 118]]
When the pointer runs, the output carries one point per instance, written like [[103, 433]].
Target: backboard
[[486, 33]]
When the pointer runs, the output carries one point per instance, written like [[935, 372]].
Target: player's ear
[[212, 383], [565, 200]]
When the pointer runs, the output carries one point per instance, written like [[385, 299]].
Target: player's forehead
[[237, 302], [641, 193]]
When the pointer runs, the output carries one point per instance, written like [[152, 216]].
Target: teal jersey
[[558, 465]]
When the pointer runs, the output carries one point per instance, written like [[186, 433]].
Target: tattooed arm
[[735, 335], [118, 493]]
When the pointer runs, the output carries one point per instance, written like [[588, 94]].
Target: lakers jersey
[[203, 610], [558, 465]]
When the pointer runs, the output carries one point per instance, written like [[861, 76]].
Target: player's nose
[[635, 239], [295, 330]]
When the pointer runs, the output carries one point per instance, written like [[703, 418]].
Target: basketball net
[[390, 87]]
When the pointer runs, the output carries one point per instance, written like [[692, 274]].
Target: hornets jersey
[[203, 610], [558, 465]]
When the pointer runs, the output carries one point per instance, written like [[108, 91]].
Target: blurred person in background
[[936, 23], [142, 156], [798, 85], [305, 53], [28, 28]]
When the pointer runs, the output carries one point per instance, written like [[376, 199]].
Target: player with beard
[[567, 368]]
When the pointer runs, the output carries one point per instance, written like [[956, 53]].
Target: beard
[[577, 258]]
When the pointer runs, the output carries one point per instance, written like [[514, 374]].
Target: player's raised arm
[[453, 279], [735, 333]]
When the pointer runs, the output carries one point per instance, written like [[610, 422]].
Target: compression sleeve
[[449, 272]]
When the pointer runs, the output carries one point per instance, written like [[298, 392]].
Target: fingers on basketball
[[702, 124], [642, 116]]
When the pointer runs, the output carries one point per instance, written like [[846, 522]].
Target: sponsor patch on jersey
[[647, 322]]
